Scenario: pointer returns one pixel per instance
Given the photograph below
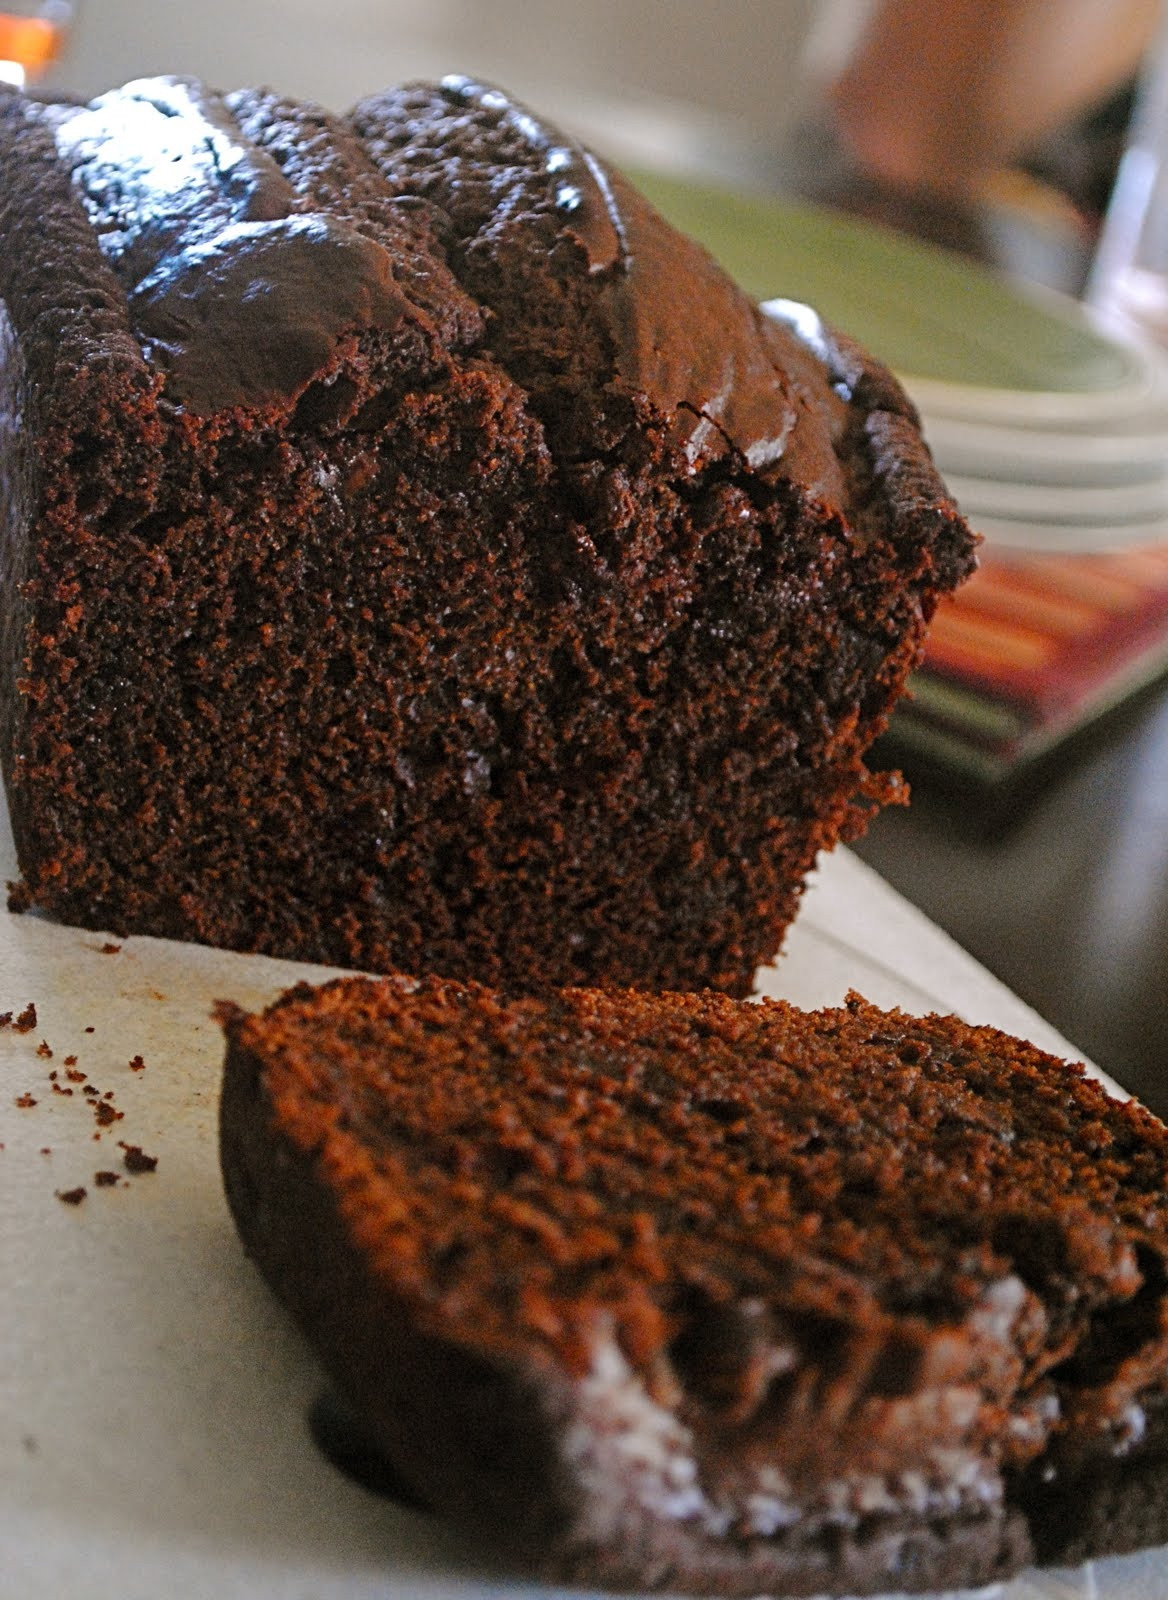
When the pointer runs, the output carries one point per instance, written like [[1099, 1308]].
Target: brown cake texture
[[675, 1291], [416, 555]]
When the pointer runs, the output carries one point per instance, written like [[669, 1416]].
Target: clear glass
[[1129, 280], [32, 35]]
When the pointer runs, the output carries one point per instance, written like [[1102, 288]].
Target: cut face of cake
[[680, 1292], [416, 555]]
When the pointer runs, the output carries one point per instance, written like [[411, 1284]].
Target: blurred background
[[1021, 136], [1010, 105], [659, 68]]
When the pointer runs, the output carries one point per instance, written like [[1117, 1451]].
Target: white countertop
[[153, 1399]]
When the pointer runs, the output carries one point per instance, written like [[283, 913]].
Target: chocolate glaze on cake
[[417, 555], [677, 1291]]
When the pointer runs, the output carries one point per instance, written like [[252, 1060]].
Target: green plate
[[925, 311]]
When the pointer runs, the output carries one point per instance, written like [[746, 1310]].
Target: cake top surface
[[727, 1193], [657, 307], [250, 233], [237, 284]]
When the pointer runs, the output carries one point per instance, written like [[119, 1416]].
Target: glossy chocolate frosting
[[677, 329], [682, 332], [240, 286], [237, 291], [255, 312]]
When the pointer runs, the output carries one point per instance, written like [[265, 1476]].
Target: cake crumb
[[70, 1061], [90, 1030], [110, 949], [72, 1197], [135, 1159], [137, 1064], [5, 1019], [27, 1020], [44, 1051], [105, 1113], [72, 1073], [106, 1180], [24, 1101], [19, 898]]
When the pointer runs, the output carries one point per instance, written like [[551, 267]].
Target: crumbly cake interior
[[492, 591], [850, 1300]]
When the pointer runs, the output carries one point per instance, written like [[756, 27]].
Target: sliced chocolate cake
[[414, 554], [681, 1292]]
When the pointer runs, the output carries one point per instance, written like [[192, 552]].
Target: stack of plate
[[1050, 426], [1073, 468]]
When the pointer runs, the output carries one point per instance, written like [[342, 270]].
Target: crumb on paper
[[104, 1113], [137, 1064], [19, 899], [70, 1061], [5, 1019], [25, 1101], [44, 1051], [72, 1197], [27, 1020], [72, 1073], [135, 1159], [110, 949], [106, 1180], [90, 1030]]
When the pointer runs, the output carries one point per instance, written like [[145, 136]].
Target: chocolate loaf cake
[[675, 1291], [415, 555]]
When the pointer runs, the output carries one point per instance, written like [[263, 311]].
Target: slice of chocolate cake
[[414, 554], [675, 1291]]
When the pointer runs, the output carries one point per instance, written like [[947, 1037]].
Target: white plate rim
[[981, 449], [1077, 505]]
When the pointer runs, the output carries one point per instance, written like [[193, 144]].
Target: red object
[[1033, 648]]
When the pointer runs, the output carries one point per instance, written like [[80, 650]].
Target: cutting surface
[[153, 1400]]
